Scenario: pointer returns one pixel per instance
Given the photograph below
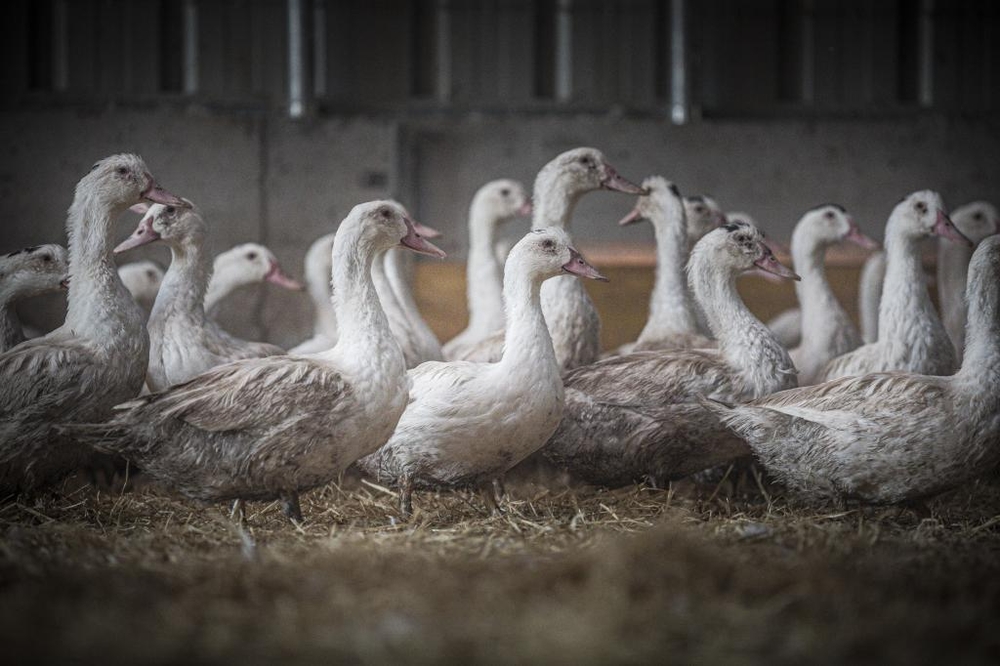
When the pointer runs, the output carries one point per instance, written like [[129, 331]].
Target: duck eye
[[828, 215], [171, 210], [46, 258], [699, 209], [122, 170], [504, 192], [978, 217], [385, 212], [251, 255], [548, 243], [151, 275], [921, 207]]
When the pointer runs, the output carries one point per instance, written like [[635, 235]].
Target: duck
[[572, 318], [97, 358], [267, 429], [142, 279], [241, 266], [318, 264], [637, 418], [911, 337], [494, 204], [468, 423], [672, 322], [26, 273], [702, 214], [827, 329], [184, 342], [888, 437], [976, 221], [870, 295]]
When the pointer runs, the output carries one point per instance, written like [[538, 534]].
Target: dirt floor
[[707, 574]]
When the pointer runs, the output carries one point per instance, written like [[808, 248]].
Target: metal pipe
[[319, 48], [564, 50], [60, 46], [925, 94], [808, 54], [296, 60], [679, 104], [190, 43], [442, 50]]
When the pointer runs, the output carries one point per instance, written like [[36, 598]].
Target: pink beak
[[855, 236], [413, 241], [944, 227], [526, 209], [577, 265], [771, 265], [144, 234], [157, 194], [425, 231], [634, 216], [64, 283], [277, 276], [613, 181]]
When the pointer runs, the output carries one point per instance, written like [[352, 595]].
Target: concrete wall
[[261, 177]]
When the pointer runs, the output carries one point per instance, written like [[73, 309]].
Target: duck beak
[[944, 227], [577, 265], [64, 283], [855, 236], [157, 194], [631, 218], [526, 209], [425, 231], [769, 264], [143, 235], [413, 241], [613, 181], [279, 277]]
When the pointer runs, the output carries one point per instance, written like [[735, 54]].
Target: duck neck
[[182, 292], [904, 291], [96, 294], [221, 284], [554, 201], [362, 323], [527, 343], [395, 272], [670, 310], [746, 343], [981, 362], [484, 274], [952, 272], [821, 311]]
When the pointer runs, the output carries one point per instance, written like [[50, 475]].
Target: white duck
[[142, 279], [23, 274], [97, 358], [572, 319], [468, 423], [889, 437], [637, 417], [242, 266], [672, 323], [271, 428], [827, 329], [870, 295], [976, 221], [184, 342], [702, 214], [318, 264], [495, 203], [911, 336]]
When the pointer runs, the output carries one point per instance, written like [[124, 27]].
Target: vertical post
[[564, 50], [925, 93], [296, 60], [808, 54], [679, 104], [319, 48], [60, 46], [442, 51], [190, 53]]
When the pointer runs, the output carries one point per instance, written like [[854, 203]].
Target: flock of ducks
[[141, 371]]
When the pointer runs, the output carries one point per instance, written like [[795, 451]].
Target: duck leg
[[498, 489], [406, 496], [290, 507], [488, 492], [239, 512]]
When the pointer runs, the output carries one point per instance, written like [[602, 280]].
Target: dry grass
[[573, 575]]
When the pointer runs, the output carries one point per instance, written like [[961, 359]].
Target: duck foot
[[488, 493], [498, 489], [405, 497], [290, 507]]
